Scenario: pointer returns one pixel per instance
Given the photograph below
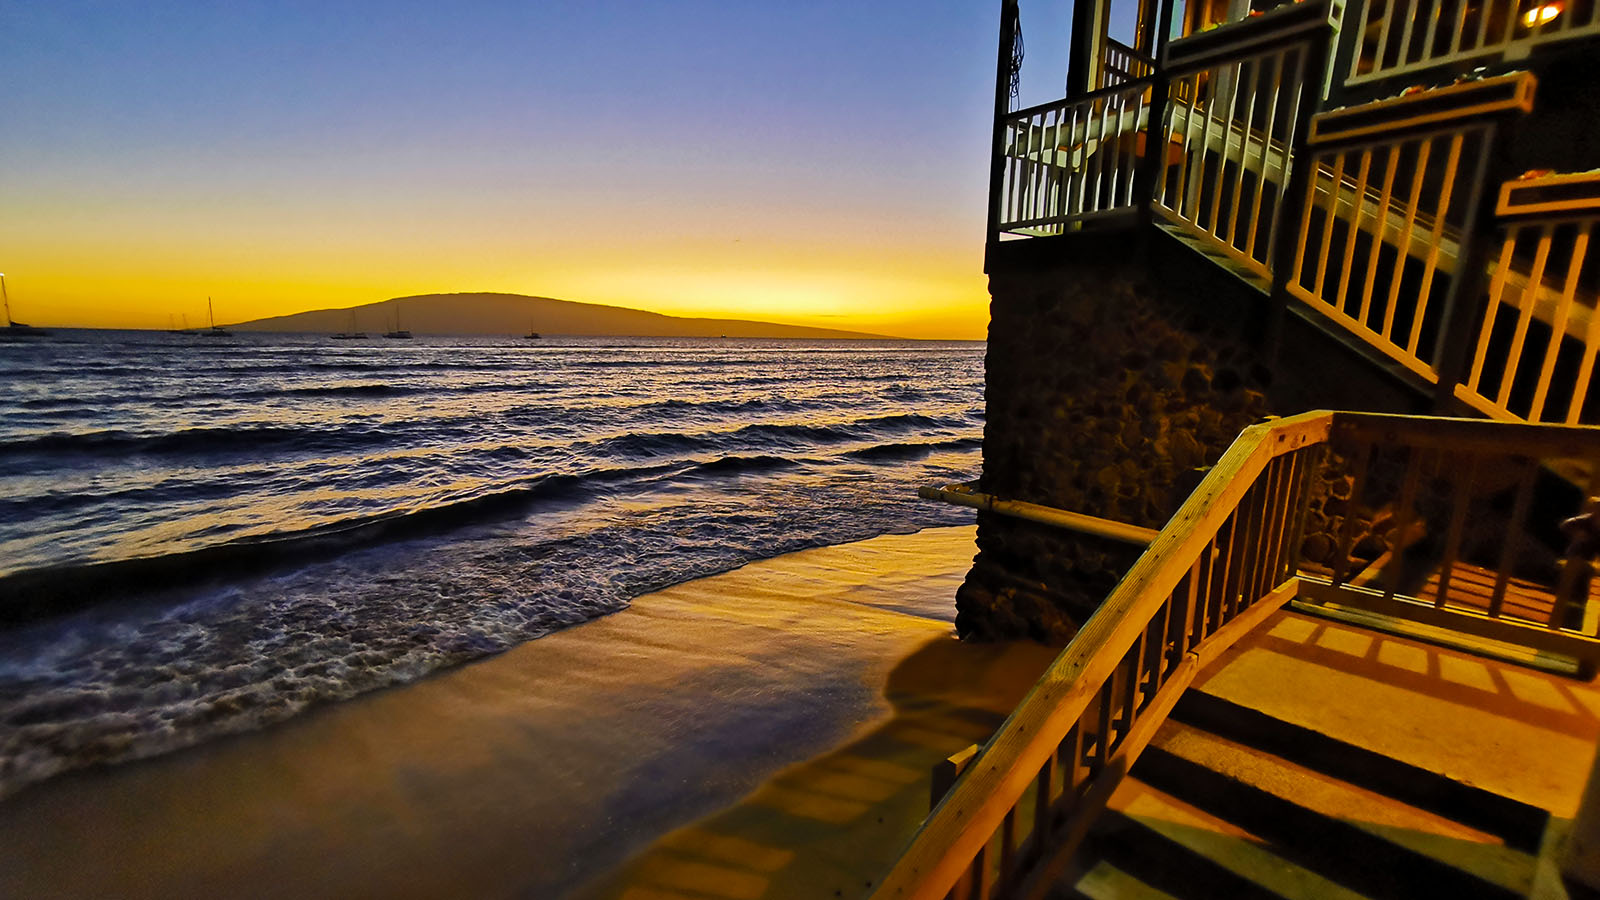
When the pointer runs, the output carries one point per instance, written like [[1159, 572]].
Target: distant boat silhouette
[[214, 331], [532, 335], [13, 328], [352, 334], [398, 332]]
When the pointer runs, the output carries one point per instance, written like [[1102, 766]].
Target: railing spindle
[[1525, 305], [1245, 123], [1413, 201], [1402, 521], [1497, 286], [1347, 538], [1043, 804], [1335, 189], [1358, 212], [1461, 503], [1430, 266], [1519, 520], [1558, 328], [1279, 59], [1385, 196]]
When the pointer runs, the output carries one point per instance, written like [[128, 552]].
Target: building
[[1236, 213]]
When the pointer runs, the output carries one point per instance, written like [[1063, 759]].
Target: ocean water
[[204, 536]]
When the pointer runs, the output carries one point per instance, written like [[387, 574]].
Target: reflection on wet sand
[[827, 827], [539, 770]]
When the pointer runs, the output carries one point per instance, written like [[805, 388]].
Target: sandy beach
[[762, 733]]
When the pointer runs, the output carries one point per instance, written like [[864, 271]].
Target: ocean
[[204, 536]]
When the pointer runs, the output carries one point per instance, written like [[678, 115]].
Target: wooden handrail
[[1287, 24], [1465, 100], [971, 813]]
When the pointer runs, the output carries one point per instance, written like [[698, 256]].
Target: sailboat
[[352, 334], [14, 328], [398, 332], [532, 335], [214, 331]]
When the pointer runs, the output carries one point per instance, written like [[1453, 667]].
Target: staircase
[[1240, 719], [1231, 800]]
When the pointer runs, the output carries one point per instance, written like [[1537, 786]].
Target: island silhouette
[[498, 313]]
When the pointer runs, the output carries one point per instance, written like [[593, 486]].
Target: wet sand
[[762, 733]]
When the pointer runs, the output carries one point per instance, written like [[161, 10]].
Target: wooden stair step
[[1371, 844]]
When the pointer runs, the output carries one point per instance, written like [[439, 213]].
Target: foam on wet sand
[[766, 732]]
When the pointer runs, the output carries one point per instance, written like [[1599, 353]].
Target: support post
[[1002, 108], [1288, 215], [1155, 131], [1472, 268], [1083, 60]]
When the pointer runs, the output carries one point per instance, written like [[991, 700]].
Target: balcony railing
[[1384, 210], [1227, 141], [1120, 64], [1538, 331], [1363, 216], [1400, 36], [1070, 161]]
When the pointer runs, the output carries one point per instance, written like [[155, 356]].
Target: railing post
[[1155, 134], [1083, 63], [1289, 213], [1469, 281], [1346, 45], [1002, 107]]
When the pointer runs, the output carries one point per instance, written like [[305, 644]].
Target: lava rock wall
[[1118, 372]]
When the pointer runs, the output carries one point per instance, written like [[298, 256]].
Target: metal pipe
[[965, 495]]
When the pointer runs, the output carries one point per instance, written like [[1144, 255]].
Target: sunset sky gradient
[[817, 163]]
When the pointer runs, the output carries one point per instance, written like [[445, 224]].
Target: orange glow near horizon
[[151, 279]]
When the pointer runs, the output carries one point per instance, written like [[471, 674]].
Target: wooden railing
[[1216, 569], [1369, 217], [1537, 328], [1385, 210], [1204, 138], [1375, 251], [1070, 161], [1229, 133], [1457, 524], [1399, 36], [1402, 515], [1120, 64]]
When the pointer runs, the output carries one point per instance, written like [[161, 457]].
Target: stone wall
[[1118, 372]]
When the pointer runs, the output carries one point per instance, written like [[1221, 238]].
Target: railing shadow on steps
[[1227, 560]]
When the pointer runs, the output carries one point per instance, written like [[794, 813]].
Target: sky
[[817, 163]]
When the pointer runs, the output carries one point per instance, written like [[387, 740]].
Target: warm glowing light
[[1541, 14]]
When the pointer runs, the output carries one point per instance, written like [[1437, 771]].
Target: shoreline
[[535, 771]]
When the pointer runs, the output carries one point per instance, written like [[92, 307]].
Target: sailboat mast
[[210, 314], [7, 298]]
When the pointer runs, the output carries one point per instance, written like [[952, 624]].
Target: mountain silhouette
[[492, 313]]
